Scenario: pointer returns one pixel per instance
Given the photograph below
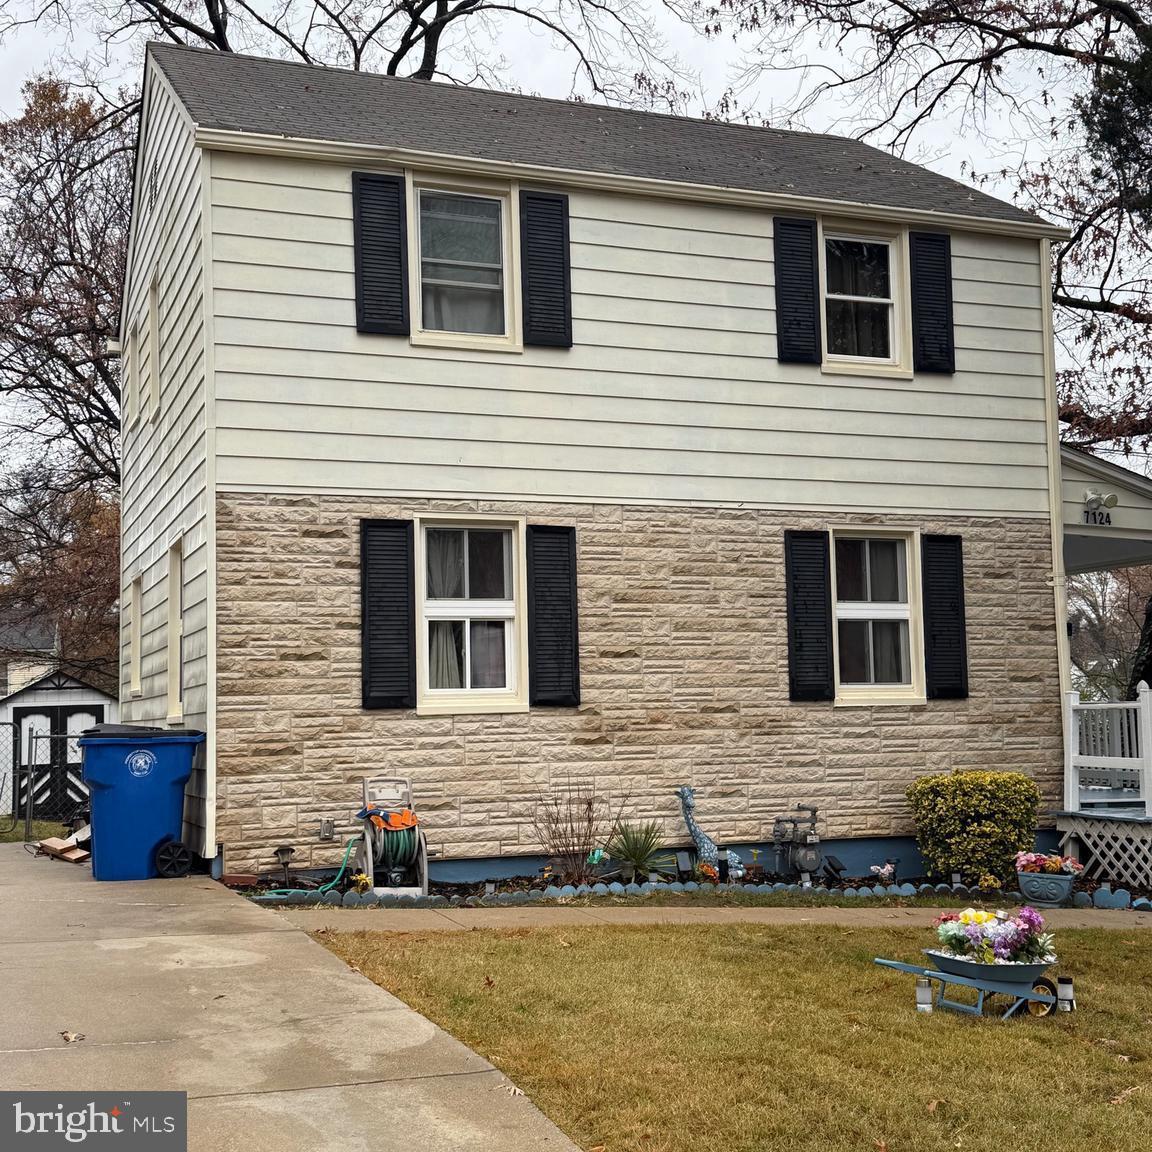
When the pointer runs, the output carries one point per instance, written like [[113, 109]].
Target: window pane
[[890, 651], [446, 654], [855, 658], [850, 583], [857, 269], [887, 583], [459, 228], [488, 565], [477, 310], [445, 560], [487, 652], [857, 329]]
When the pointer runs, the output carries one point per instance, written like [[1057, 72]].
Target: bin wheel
[[1038, 1007], [173, 860]]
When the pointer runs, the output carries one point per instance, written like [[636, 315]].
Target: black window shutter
[[545, 270], [809, 587], [387, 614], [945, 641], [933, 346], [797, 290], [380, 232], [553, 633]]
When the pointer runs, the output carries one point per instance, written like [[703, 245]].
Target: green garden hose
[[323, 887]]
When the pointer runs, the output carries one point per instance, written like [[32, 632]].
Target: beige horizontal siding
[[671, 392], [165, 456]]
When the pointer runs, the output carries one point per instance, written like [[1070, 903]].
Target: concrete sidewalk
[[181, 984], [552, 916]]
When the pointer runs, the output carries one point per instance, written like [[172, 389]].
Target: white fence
[[1108, 753]]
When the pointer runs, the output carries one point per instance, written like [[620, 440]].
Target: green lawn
[[746, 1038], [41, 829]]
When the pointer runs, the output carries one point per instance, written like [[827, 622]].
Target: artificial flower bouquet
[[995, 937], [1043, 862]]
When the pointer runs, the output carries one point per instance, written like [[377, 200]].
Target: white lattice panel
[[1119, 850]]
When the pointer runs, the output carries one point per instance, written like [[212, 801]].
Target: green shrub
[[974, 823]]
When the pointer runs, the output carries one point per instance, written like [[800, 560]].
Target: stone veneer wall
[[683, 648]]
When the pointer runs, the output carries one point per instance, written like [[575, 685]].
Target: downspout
[[1055, 507]]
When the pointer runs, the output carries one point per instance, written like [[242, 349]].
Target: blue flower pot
[[1046, 889]]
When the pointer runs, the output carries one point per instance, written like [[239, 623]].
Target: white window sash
[[502, 221], [893, 334], [879, 610], [470, 609]]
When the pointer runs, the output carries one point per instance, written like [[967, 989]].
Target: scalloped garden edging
[[553, 894]]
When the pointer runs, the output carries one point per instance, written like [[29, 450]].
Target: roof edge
[[303, 148], [1106, 470]]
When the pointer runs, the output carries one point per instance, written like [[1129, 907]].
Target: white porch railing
[[1108, 753]]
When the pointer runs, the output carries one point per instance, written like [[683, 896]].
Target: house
[[513, 444]]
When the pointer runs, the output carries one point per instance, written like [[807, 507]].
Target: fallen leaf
[[1120, 1097], [880, 1145], [933, 1105], [512, 1090], [489, 982], [72, 1037]]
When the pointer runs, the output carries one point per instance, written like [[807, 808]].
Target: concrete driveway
[[181, 984]]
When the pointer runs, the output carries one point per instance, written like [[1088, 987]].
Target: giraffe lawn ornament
[[706, 849]]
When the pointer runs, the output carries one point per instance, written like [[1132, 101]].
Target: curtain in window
[[446, 654], [445, 564]]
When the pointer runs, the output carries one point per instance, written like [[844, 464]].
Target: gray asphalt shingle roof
[[284, 98]]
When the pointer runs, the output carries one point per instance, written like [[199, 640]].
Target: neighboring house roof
[[229, 92], [19, 635], [61, 681]]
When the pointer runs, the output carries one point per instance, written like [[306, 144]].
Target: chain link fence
[[42, 791], [8, 758]]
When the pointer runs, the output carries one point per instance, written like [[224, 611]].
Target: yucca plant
[[639, 848]]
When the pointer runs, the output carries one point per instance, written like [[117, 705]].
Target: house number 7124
[[1098, 516]]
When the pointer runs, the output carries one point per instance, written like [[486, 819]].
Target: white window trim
[[130, 378], [135, 635], [508, 194], [867, 695], [175, 589], [153, 395], [440, 702], [899, 364]]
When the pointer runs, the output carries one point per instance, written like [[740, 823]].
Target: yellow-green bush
[[974, 823]]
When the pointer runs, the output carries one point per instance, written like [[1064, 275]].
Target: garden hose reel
[[393, 852]]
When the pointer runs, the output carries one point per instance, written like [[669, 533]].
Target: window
[[877, 640], [461, 263], [472, 643], [134, 635], [859, 307], [152, 399], [176, 632], [130, 377]]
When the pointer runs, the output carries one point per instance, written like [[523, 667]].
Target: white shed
[[39, 724]]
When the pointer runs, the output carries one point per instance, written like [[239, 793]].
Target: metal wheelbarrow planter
[[1025, 984]]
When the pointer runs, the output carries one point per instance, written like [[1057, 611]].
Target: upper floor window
[[462, 263], [858, 298]]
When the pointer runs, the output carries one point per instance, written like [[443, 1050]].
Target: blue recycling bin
[[136, 779]]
